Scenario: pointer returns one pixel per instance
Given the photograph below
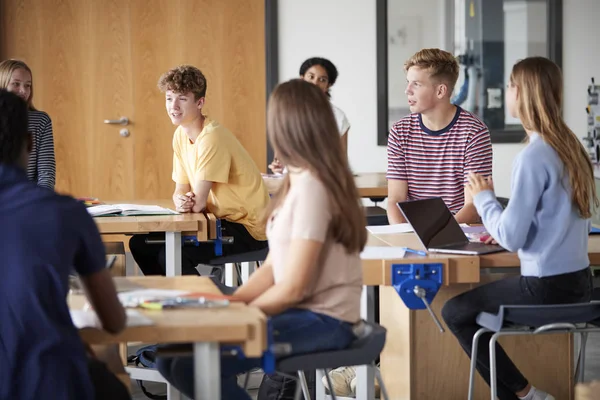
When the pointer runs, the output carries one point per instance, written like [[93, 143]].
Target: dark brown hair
[[184, 79], [303, 132]]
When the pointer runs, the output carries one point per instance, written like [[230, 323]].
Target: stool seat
[[362, 351], [580, 318], [249, 256], [539, 315]]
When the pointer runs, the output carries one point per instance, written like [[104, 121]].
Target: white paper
[[385, 229], [103, 209], [128, 209], [89, 319], [382, 253], [135, 297]]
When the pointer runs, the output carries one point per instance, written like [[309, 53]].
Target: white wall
[[581, 58], [344, 31]]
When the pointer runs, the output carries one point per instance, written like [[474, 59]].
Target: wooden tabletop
[[190, 224], [371, 184], [237, 324], [368, 184], [457, 268]]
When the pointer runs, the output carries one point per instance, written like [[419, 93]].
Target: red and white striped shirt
[[436, 163]]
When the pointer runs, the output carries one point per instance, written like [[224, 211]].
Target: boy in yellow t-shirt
[[212, 171]]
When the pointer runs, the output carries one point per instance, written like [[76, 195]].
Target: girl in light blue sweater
[[547, 221]]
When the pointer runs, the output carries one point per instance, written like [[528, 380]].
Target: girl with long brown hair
[[310, 283], [547, 221]]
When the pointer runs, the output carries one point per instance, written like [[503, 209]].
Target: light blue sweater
[[540, 221]]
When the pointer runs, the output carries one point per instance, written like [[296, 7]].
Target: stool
[[363, 351], [244, 263], [534, 320]]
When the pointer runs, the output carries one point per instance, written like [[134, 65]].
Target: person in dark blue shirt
[[43, 238]]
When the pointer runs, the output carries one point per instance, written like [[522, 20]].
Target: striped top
[[436, 163], [42, 165]]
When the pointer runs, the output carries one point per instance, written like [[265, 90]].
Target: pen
[[419, 252]]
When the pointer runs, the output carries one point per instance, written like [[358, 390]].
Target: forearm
[[276, 300], [468, 215], [259, 282], [394, 214]]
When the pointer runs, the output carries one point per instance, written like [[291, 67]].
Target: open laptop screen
[[433, 222]]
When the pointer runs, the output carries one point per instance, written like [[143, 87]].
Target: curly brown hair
[[184, 79]]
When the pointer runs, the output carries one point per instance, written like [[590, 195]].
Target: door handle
[[120, 121]]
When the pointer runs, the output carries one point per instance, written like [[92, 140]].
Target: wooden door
[[101, 60]]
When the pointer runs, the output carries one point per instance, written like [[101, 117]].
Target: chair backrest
[[249, 256], [539, 315]]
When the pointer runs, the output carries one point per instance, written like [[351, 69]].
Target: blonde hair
[[302, 130], [539, 107], [441, 65], [7, 67]]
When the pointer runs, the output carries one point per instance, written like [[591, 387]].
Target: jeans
[[304, 330], [460, 315], [151, 257]]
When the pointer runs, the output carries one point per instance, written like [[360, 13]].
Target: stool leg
[[319, 387], [229, 275], [304, 385], [298, 391], [493, 377], [384, 393], [581, 365], [247, 270], [474, 349]]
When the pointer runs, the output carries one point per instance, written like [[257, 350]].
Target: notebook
[[128, 210], [438, 230]]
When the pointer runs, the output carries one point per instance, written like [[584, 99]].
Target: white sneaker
[[353, 387], [340, 380], [537, 394]]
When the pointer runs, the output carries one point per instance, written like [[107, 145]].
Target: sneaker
[[340, 380], [353, 387], [537, 394]]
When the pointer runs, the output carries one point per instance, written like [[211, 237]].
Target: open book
[[128, 210]]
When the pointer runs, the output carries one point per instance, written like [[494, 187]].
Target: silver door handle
[[120, 121]]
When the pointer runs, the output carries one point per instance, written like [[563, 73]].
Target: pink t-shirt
[[305, 214]]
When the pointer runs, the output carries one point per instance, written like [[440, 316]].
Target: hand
[[276, 167], [490, 240], [184, 202], [478, 184]]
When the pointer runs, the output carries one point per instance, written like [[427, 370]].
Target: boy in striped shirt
[[432, 151]]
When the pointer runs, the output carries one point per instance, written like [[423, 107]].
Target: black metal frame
[[555, 50], [272, 55]]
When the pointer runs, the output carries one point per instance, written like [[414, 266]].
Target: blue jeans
[[304, 330]]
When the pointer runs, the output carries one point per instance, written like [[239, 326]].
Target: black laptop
[[437, 229]]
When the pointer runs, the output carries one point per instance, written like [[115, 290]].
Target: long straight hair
[[304, 135], [539, 105], [7, 67]]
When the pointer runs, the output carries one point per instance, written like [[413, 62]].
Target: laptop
[[437, 229]]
